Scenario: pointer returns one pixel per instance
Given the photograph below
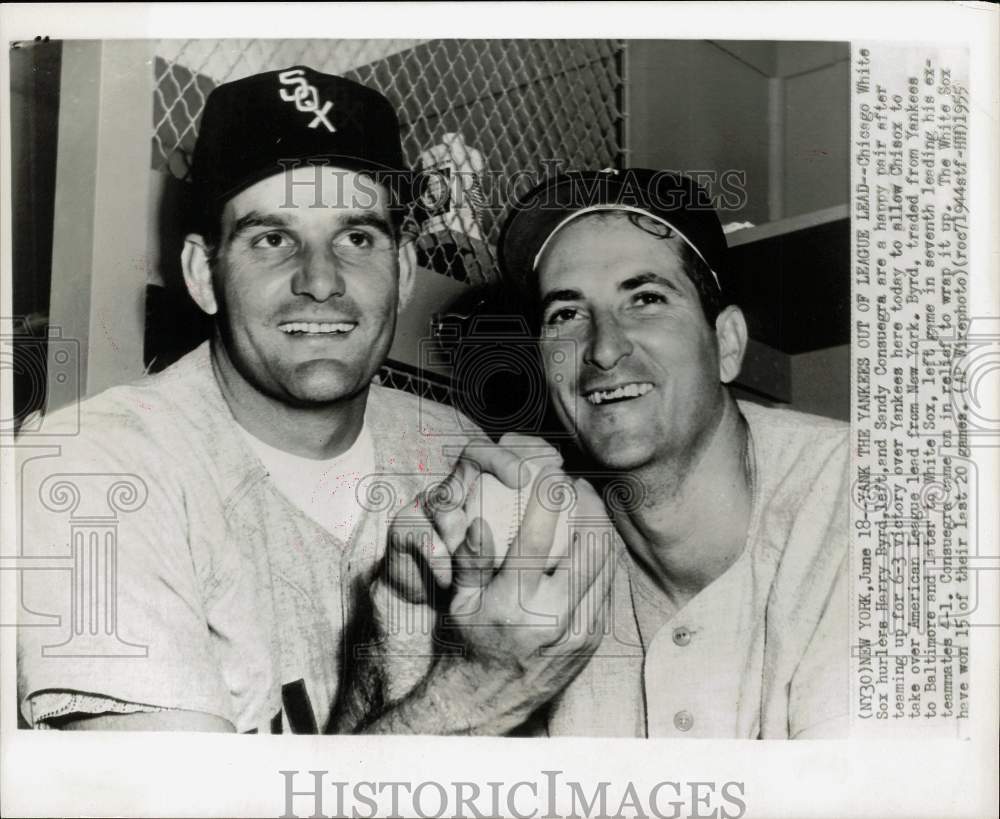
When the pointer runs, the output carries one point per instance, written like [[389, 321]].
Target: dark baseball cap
[[263, 124], [672, 199]]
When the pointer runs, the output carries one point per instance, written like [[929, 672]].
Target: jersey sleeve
[[114, 608], [49, 707]]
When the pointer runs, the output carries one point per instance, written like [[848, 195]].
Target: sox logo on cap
[[305, 96]]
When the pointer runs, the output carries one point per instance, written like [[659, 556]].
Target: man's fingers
[[416, 561], [583, 570], [485, 456], [531, 447], [582, 588], [474, 559], [513, 463], [444, 505], [587, 507], [575, 498], [406, 577], [529, 551], [588, 502], [405, 570]]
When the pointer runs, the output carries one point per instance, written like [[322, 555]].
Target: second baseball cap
[[250, 126], [673, 199]]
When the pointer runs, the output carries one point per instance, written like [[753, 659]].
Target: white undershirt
[[323, 489]]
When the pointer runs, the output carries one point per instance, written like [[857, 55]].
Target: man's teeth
[[317, 328], [626, 391]]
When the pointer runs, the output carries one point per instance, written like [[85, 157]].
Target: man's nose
[[319, 277], [608, 343]]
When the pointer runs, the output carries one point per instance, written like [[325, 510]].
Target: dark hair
[[710, 295]]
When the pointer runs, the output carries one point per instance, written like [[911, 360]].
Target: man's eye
[[272, 239], [650, 297], [563, 314], [355, 240]]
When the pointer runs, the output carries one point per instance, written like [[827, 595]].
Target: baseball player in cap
[[728, 606], [730, 602], [247, 553]]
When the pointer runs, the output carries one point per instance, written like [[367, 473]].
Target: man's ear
[[198, 273], [407, 269], [731, 336]]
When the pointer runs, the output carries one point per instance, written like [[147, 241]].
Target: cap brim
[[401, 183]]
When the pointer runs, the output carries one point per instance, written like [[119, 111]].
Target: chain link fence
[[490, 117], [499, 112]]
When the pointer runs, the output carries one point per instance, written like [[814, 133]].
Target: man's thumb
[[405, 571], [474, 557]]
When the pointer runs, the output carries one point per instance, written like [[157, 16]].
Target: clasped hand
[[525, 616]]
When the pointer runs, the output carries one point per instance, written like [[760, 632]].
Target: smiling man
[[237, 575], [730, 603], [250, 541]]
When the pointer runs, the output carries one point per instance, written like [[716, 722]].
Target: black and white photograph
[[508, 425]]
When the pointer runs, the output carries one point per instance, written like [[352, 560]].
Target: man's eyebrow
[[255, 219], [368, 219], [634, 282], [560, 295]]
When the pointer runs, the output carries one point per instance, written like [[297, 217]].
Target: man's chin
[[324, 382], [618, 452]]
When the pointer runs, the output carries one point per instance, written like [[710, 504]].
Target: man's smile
[[317, 328], [620, 392]]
